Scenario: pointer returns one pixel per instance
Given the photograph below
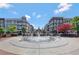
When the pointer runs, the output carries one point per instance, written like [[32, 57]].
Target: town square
[[33, 29]]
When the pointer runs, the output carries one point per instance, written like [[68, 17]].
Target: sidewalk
[[2, 52]]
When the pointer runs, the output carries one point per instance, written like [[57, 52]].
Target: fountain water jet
[[37, 38]]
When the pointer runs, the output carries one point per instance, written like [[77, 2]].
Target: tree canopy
[[1, 30], [23, 30], [75, 22], [11, 28], [64, 27]]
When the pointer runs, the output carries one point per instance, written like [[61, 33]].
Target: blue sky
[[38, 14]]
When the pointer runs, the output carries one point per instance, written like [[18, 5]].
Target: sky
[[38, 14]]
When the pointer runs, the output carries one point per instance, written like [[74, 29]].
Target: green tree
[[11, 29], [1, 30], [23, 30], [75, 22]]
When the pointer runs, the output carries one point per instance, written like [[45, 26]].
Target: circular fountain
[[37, 38], [39, 41]]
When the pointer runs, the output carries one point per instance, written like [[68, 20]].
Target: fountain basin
[[52, 43], [37, 38]]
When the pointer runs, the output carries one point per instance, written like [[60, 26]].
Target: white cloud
[[39, 16], [5, 5], [34, 26], [34, 13], [14, 12], [27, 16], [62, 7]]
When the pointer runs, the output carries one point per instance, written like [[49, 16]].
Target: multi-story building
[[46, 27], [29, 28], [2, 22], [55, 21], [18, 22]]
